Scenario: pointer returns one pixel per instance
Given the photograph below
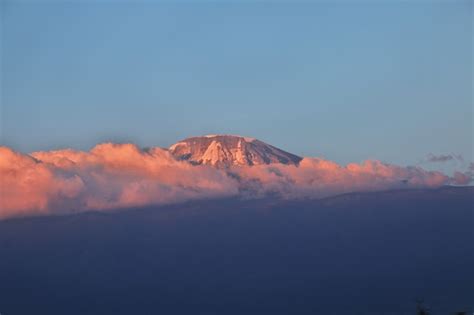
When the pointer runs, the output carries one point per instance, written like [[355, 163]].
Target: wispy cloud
[[444, 158], [113, 176]]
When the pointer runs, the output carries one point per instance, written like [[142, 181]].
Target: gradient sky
[[346, 81]]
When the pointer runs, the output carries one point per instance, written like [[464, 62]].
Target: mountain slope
[[364, 253], [228, 150]]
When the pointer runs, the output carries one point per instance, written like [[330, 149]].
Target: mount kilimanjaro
[[230, 150]]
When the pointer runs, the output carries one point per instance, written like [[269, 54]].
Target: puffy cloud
[[109, 176], [320, 178], [122, 175], [462, 178], [112, 176], [28, 185]]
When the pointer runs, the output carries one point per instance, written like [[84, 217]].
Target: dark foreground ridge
[[364, 253]]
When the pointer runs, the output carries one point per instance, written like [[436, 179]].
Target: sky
[[347, 81]]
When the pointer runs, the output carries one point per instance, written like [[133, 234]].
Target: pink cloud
[[320, 178], [122, 175], [461, 178], [114, 176], [28, 185]]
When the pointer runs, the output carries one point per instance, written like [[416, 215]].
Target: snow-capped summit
[[228, 150]]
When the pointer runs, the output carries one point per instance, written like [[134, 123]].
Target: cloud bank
[[112, 176]]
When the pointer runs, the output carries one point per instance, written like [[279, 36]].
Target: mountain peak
[[230, 150]]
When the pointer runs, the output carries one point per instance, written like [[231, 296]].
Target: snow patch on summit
[[247, 139], [174, 146], [230, 150]]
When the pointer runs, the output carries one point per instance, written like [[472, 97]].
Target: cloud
[[122, 175], [321, 178], [462, 178], [444, 158], [112, 176], [28, 185], [109, 176]]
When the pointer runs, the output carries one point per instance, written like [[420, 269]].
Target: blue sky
[[347, 81]]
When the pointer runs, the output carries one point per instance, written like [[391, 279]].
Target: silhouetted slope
[[354, 254]]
